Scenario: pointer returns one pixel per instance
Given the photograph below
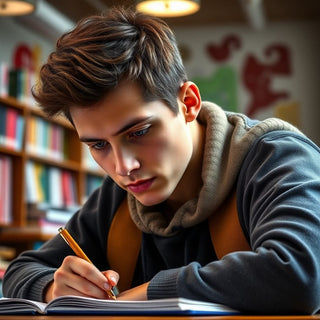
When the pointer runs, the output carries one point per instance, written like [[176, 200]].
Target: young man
[[182, 174]]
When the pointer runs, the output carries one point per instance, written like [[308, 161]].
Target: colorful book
[[4, 79], [3, 116], [69, 189], [8, 190], [11, 128], [5, 189], [20, 132], [32, 135], [31, 187], [13, 83], [55, 189]]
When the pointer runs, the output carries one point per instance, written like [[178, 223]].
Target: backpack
[[122, 252]]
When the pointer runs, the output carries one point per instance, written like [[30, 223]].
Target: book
[[11, 128], [3, 117], [55, 190], [89, 306], [4, 79], [5, 190]]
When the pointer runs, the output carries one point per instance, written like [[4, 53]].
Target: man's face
[[126, 135]]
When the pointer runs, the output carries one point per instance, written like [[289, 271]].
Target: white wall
[[12, 33]]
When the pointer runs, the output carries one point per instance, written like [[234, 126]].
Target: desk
[[242, 317]]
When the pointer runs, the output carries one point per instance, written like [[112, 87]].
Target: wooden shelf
[[19, 231], [23, 234]]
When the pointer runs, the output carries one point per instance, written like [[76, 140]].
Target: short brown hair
[[101, 51]]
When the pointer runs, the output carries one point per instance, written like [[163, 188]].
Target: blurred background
[[257, 57]]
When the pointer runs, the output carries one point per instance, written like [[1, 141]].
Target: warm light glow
[[169, 8], [16, 7]]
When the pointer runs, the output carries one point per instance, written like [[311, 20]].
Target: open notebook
[[83, 306]]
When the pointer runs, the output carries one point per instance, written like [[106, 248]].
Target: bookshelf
[[33, 148]]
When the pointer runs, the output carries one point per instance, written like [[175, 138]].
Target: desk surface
[[242, 317]]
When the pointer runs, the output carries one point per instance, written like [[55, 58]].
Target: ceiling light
[[168, 8], [16, 7]]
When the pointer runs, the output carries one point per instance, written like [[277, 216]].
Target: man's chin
[[148, 200]]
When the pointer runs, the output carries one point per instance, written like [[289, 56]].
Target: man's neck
[[191, 182]]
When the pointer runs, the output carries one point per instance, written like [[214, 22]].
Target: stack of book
[[49, 219]]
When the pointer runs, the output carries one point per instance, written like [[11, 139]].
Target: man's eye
[[99, 145], [141, 132]]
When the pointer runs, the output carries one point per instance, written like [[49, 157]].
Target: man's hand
[[80, 278]]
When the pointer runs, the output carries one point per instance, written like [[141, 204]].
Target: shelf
[[28, 233], [64, 164], [11, 152], [12, 102], [19, 231]]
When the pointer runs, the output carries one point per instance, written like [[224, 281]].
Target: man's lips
[[141, 185]]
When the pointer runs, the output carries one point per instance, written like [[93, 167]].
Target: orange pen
[[78, 251]]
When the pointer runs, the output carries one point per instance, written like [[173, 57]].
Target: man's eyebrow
[[131, 124], [126, 127], [88, 140]]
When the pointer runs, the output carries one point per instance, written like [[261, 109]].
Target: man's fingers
[[112, 276], [78, 277]]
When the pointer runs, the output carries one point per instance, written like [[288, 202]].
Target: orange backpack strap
[[124, 238], [123, 246], [225, 229]]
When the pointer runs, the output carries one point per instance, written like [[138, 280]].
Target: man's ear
[[190, 97]]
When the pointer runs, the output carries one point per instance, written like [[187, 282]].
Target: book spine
[[31, 184], [13, 85], [11, 128], [20, 132], [3, 116], [4, 79], [8, 191], [55, 190], [5, 190], [39, 168], [31, 135]]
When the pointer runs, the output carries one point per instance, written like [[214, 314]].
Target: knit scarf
[[228, 139]]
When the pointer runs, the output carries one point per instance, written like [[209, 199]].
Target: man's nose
[[125, 162]]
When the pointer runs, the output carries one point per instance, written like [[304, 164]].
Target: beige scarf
[[228, 139]]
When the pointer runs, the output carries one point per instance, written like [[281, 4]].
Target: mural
[[255, 76], [222, 52], [220, 88]]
